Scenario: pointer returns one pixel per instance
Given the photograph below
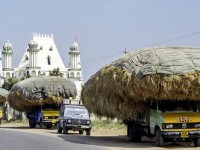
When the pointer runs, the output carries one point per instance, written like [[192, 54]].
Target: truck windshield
[[71, 111], [177, 106]]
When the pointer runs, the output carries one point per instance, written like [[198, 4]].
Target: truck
[[167, 121], [46, 115], [74, 116]]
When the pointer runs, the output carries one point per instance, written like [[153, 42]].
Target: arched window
[[33, 73], [71, 74], [78, 74], [8, 75]]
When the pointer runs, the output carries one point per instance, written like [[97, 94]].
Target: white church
[[39, 59]]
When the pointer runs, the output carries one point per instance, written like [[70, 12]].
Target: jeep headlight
[[69, 121], [197, 125], [88, 122]]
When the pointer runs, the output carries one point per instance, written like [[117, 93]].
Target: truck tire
[[48, 126], [59, 130], [197, 142], [80, 132], [134, 134], [0, 120], [32, 124], [159, 138]]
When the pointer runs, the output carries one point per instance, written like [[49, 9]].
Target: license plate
[[184, 134]]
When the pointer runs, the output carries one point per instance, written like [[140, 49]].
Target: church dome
[[7, 46], [74, 46], [33, 44]]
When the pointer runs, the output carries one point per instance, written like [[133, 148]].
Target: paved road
[[43, 139], [19, 140]]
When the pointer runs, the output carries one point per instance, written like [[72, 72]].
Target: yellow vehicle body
[[50, 116], [184, 123]]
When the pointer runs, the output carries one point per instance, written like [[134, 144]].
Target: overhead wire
[[148, 45]]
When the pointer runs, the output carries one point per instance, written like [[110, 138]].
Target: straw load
[[3, 95], [37, 91], [123, 88]]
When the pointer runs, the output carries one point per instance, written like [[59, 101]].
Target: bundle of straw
[[37, 91], [124, 88]]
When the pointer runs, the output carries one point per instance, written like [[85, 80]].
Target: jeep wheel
[[80, 132], [88, 132], [197, 142], [159, 138], [65, 131]]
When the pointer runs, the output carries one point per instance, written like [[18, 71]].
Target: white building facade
[[42, 57]]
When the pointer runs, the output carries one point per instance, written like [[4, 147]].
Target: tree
[[9, 83], [55, 72]]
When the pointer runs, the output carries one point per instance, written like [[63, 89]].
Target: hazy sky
[[105, 27]]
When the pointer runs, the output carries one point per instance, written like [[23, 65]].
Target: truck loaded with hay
[[40, 97], [154, 90]]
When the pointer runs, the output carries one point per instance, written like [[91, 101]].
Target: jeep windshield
[[76, 112], [177, 106]]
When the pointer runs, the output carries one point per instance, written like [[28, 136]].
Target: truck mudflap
[[180, 134]]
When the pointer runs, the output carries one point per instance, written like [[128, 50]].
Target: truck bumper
[[181, 134], [50, 121]]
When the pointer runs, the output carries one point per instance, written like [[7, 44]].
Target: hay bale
[[123, 88], [3, 95], [37, 91]]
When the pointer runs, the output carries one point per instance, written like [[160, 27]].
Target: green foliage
[[9, 83], [55, 72], [109, 124]]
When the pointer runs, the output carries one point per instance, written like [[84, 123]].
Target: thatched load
[[37, 91], [3, 95], [123, 88]]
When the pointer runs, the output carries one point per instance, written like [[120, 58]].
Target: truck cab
[[74, 116], [175, 121], [46, 115], [167, 120]]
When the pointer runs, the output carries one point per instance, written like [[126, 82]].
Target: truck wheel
[[80, 132], [65, 131], [88, 132], [32, 125], [134, 134], [0, 120], [159, 138], [197, 142], [48, 126], [59, 130]]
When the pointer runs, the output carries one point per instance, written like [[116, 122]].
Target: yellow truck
[[46, 115], [50, 115], [167, 121]]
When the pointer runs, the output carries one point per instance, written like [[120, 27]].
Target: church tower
[[8, 71], [75, 71]]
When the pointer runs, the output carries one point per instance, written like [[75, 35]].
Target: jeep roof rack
[[71, 102]]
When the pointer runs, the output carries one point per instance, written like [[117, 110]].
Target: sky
[[105, 27]]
